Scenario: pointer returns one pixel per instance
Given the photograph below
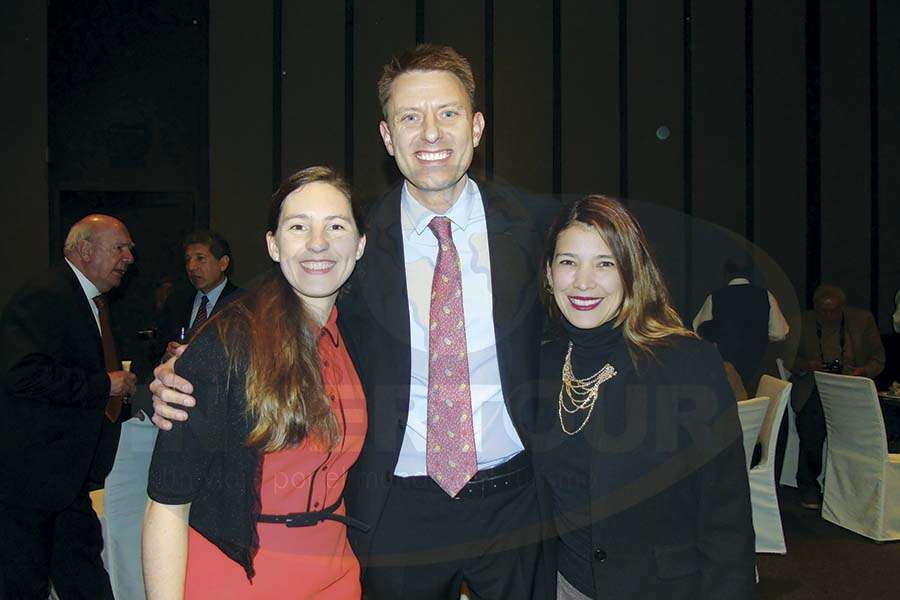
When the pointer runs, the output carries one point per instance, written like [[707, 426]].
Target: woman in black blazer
[[639, 446]]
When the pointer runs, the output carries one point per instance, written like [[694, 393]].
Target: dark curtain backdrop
[[774, 122]]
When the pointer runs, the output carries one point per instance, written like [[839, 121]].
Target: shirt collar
[[90, 290], [459, 214], [739, 281], [330, 328], [213, 294]]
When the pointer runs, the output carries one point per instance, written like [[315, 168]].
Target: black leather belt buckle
[[301, 519], [483, 488]]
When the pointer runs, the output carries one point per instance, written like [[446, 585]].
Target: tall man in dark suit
[[443, 322], [207, 261], [61, 398]]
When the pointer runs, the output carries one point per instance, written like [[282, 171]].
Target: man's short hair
[[738, 266], [828, 291], [82, 230], [426, 57], [212, 240]]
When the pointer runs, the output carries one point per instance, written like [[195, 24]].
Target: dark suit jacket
[[54, 437], [374, 319], [176, 312], [669, 500]]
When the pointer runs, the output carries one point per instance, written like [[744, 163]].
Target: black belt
[[510, 475], [308, 519]]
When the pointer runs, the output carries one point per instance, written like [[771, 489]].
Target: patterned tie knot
[[100, 301], [440, 226]]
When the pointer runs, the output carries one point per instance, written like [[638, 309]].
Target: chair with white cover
[[751, 414], [792, 447], [766, 513], [862, 481]]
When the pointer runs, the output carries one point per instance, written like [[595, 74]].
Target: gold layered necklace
[[581, 393]]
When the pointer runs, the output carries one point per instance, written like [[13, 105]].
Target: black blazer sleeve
[[182, 455], [43, 353], [725, 534]]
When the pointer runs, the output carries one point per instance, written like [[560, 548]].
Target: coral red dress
[[298, 562]]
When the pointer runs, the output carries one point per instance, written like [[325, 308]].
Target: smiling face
[[584, 277], [432, 133], [316, 244], [203, 269]]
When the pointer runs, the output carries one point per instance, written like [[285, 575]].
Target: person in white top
[[748, 316], [896, 315]]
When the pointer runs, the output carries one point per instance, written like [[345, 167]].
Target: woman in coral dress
[[246, 494]]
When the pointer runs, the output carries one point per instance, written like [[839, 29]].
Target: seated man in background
[[207, 259], [838, 339], [748, 318], [62, 389]]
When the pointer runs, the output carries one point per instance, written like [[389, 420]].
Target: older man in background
[[62, 389], [839, 339]]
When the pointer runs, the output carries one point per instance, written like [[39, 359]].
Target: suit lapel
[[377, 303], [513, 245], [83, 315]]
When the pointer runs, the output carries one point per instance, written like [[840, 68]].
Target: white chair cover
[[792, 448], [751, 413], [766, 513], [783, 373], [862, 481]]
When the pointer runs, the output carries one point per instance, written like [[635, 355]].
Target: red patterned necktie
[[110, 356], [450, 458], [201, 314]]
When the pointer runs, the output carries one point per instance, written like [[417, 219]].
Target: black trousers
[[426, 544], [811, 431], [38, 546]]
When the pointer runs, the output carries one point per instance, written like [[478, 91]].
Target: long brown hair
[[646, 316], [270, 335]]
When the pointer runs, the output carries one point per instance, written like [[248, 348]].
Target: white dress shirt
[[496, 439], [778, 326], [90, 291], [212, 297]]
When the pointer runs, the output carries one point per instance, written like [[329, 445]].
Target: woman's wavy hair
[[646, 316], [270, 335]]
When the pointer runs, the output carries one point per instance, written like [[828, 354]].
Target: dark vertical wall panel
[[523, 93], [779, 136], [446, 23], [240, 128], [717, 88], [656, 96], [888, 158], [589, 96], [23, 129], [312, 106], [718, 133], [656, 99], [381, 30], [846, 218]]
